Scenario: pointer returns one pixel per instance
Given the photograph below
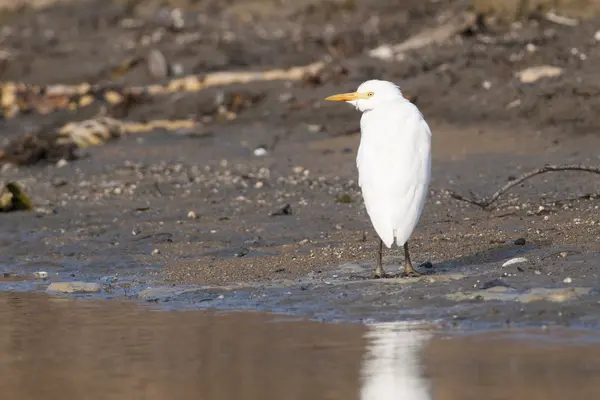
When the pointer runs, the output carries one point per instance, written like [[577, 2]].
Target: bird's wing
[[394, 169]]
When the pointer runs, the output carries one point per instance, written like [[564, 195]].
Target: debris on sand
[[228, 104], [285, 210], [533, 74], [427, 37], [502, 293], [516, 260], [17, 98], [39, 147], [91, 132], [74, 287], [54, 145], [13, 198]]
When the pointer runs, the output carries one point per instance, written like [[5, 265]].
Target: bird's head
[[370, 94]]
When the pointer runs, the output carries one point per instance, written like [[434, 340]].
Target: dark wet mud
[[65, 348], [193, 218]]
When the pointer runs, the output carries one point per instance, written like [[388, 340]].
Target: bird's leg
[[379, 272], [409, 270]]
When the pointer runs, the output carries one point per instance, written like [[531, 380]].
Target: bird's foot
[[410, 272], [379, 273]]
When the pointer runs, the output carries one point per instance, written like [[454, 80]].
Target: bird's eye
[[370, 94]]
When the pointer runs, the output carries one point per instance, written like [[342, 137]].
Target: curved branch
[[486, 202]]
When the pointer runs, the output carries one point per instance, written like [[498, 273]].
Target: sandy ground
[[122, 213]]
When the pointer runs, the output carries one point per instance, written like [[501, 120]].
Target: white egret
[[394, 163]]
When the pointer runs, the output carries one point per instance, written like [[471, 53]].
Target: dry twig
[[486, 202]]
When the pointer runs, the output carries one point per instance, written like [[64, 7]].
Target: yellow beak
[[347, 96]]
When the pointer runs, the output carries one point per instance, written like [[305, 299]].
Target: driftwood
[[426, 37], [18, 97], [54, 144], [486, 202]]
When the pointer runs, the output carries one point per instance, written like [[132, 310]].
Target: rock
[[157, 64], [533, 74], [40, 274], [260, 151], [520, 242], [501, 293], [74, 287], [13, 198], [285, 210]]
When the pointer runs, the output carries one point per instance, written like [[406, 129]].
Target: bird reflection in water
[[392, 368]]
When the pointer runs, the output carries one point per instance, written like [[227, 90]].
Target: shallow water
[[59, 348]]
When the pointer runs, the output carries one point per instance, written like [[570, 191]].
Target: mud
[[190, 216]]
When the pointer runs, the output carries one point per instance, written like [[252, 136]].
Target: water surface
[[58, 348]]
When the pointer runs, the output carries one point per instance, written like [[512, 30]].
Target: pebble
[[520, 242], [313, 128], [74, 287], [156, 251], [567, 280], [157, 64], [40, 274], [192, 215], [62, 163], [260, 152]]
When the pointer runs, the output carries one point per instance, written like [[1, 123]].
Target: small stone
[[62, 163], [40, 274], [426, 264], [258, 185], [74, 287], [487, 85], [192, 215], [313, 128], [567, 280], [157, 64], [520, 242], [285, 210], [155, 251], [597, 36], [563, 254], [260, 152]]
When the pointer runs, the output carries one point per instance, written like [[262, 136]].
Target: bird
[[393, 162]]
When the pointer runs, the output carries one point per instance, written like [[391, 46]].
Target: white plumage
[[394, 161]]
